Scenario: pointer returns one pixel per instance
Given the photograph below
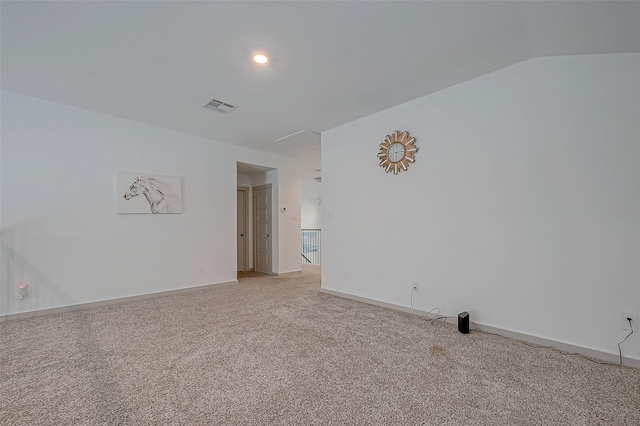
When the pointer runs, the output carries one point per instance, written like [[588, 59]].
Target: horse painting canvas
[[149, 193]]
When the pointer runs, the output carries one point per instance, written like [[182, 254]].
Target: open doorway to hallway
[[311, 218], [254, 239]]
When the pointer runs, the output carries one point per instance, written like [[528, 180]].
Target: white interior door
[[262, 228]]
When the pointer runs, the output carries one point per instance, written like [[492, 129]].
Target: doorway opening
[[257, 246], [242, 236]]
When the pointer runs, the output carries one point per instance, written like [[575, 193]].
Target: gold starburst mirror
[[397, 152]]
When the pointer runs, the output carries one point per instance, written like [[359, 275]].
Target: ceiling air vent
[[219, 106]]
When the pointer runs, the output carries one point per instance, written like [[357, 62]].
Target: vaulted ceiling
[[331, 62]]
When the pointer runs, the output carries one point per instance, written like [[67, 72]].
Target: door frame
[[270, 227], [245, 190]]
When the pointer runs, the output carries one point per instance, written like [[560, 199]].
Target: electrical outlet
[[624, 323], [200, 270], [416, 285], [345, 276]]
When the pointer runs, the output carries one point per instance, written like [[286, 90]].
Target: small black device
[[463, 322]]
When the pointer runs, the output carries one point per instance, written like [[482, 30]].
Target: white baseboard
[[80, 306], [613, 358], [288, 273]]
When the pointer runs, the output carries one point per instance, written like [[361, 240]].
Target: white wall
[[244, 180], [311, 190], [523, 205], [60, 231], [311, 210]]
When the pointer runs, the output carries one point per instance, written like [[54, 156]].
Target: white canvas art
[[140, 193]]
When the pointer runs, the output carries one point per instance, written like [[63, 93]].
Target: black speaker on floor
[[463, 322]]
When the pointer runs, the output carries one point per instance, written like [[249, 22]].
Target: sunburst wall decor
[[397, 152]]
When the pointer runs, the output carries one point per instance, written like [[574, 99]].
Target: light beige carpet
[[274, 350]]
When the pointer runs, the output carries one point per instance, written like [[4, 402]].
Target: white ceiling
[[331, 62]]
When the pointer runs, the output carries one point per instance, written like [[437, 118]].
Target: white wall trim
[[288, 273], [540, 341], [89, 305]]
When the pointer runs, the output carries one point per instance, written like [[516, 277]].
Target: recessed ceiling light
[[260, 58]]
